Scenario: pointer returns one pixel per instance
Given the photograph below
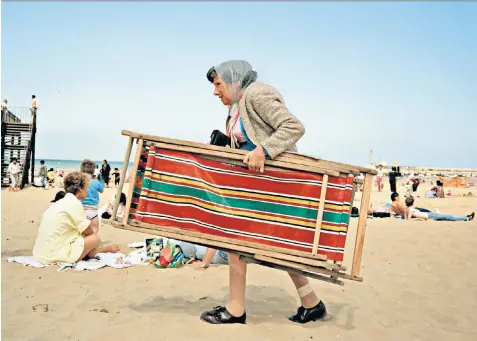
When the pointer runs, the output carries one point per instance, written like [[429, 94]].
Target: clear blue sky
[[398, 78]]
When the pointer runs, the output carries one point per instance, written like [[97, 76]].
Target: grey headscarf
[[237, 74]]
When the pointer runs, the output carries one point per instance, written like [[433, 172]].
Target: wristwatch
[[203, 266]]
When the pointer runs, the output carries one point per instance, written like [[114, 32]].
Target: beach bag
[[171, 256]]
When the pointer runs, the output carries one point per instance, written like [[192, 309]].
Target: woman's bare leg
[[237, 280], [91, 247], [307, 295], [91, 243], [113, 248], [95, 224]]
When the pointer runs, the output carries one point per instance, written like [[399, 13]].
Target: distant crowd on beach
[[408, 209], [46, 178]]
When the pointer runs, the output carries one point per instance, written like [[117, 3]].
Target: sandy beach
[[419, 284]]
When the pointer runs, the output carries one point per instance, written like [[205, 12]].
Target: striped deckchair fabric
[[278, 208]]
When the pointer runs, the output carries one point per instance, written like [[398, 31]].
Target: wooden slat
[[319, 218], [299, 159], [229, 240], [226, 243], [305, 267], [137, 157], [363, 216], [210, 241], [122, 178], [228, 155], [300, 272]]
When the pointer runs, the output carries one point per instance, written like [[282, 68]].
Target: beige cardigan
[[267, 121]]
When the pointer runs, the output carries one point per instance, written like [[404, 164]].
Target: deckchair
[[294, 216]]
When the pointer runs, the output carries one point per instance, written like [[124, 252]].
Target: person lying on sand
[[399, 208], [411, 212], [65, 233], [108, 212], [431, 194], [377, 211], [206, 255]]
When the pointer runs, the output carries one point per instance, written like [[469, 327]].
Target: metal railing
[[14, 114]]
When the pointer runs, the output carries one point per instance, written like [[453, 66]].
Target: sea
[[75, 164]]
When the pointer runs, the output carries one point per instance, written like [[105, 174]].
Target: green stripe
[[137, 190], [246, 204], [332, 217]]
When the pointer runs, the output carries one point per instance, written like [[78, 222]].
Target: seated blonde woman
[[65, 233]]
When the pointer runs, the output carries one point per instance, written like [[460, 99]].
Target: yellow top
[[60, 234], [51, 175]]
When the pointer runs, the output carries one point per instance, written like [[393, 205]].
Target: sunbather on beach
[[378, 211], [439, 189], [108, 212], [399, 208], [206, 255], [412, 212], [91, 201], [65, 233], [431, 194]]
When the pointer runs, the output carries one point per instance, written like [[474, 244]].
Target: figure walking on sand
[[379, 177], [260, 123], [13, 171], [105, 172]]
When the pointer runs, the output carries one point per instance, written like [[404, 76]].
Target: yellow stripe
[[230, 192], [231, 211], [336, 207], [330, 227]]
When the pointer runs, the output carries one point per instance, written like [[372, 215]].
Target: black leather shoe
[[220, 315], [312, 314]]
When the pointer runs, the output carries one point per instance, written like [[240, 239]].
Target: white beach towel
[[101, 260], [135, 245], [27, 261]]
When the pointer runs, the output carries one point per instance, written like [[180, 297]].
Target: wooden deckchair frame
[[309, 264]]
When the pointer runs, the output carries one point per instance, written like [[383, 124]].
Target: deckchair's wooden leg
[[137, 158], [122, 179], [363, 216], [351, 203], [319, 218]]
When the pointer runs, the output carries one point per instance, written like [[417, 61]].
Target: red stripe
[[332, 194], [216, 164], [201, 229], [239, 210], [231, 179], [238, 195], [239, 181], [232, 223]]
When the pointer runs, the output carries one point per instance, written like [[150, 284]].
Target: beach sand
[[419, 284]]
